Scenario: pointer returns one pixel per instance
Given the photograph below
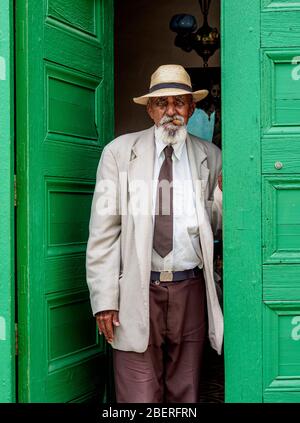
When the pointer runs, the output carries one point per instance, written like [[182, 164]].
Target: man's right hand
[[106, 320]]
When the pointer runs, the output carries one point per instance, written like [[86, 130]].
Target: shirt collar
[[160, 145]]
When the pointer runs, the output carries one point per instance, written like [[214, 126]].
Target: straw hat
[[170, 80]]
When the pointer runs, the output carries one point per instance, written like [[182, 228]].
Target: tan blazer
[[118, 259]]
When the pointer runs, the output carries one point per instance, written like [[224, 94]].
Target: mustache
[[168, 119]]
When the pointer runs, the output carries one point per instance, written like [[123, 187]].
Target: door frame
[[242, 205], [7, 218]]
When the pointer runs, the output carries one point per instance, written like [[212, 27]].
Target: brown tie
[[163, 224]]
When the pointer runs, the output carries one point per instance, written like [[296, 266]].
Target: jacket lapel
[[200, 173], [140, 178], [198, 164]]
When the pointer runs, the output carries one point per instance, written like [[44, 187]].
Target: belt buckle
[[166, 276]]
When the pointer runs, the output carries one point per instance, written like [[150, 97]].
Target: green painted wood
[[240, 26], [261, 109], [64, 118], [281, 351], [282, 5], [284, 150], [281, 200], [281, 281], [281, 219], [7, 279], [281, 91], [282, 397], [280, 28]]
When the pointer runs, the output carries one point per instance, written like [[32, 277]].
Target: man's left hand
[[220, 181]]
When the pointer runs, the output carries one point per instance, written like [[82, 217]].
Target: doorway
[[144, 41]]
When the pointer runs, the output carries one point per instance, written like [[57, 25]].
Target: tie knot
[[168, 151]]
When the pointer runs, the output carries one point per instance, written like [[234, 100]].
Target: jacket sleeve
[[217, 198], [103, 248]]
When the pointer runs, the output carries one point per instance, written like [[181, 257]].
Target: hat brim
[[164, 92]]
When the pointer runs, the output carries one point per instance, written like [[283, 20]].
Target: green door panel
[[7, 220], [280, 91], [280, 25], [285, 150], [64, 119], [281, 351], [280, 133], [281, 219], [281, 281], [261, 129]]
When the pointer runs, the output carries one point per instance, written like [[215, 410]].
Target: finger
[[102, 320], [116, 321], [100, 325], [108, 327]]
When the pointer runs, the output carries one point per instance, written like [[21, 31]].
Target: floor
[[212, 387]]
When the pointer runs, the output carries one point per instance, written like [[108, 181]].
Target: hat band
[[171, 85]]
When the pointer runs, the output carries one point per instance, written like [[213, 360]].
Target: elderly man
[[150, 249]]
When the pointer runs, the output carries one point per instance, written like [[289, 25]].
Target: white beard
[[173, 135]]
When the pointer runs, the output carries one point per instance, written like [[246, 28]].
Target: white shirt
[[186, 253]]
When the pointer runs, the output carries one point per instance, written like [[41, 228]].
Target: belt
[[168, 276]]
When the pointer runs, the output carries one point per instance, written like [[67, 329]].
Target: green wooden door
[[7, 280], [64, 118], [261, 124], [280, 142]]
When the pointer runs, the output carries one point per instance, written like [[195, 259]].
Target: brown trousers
[[170, 369]]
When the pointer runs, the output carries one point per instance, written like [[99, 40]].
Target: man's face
[[172, 106]]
